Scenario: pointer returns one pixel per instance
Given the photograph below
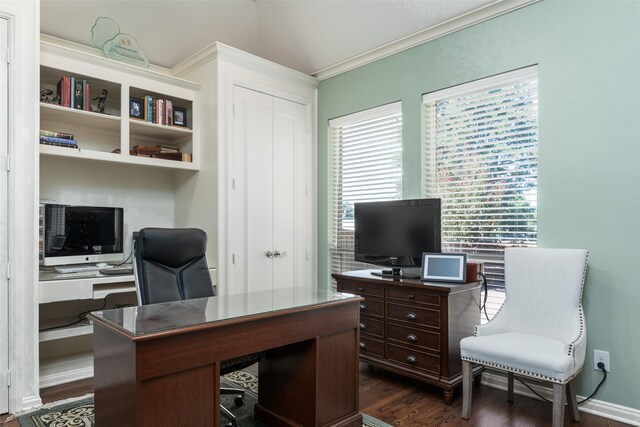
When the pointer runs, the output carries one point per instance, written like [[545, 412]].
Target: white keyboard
[[81, 268]]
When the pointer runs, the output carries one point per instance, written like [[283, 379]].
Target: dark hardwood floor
[[402, 402]]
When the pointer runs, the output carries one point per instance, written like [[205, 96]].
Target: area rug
[[79, 413]]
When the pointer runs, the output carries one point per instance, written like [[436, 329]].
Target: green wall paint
[[589, 149]]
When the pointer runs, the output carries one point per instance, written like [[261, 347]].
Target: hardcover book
[[72, 98], [56, 134], [77, 93], [63, 141], [64, 91]]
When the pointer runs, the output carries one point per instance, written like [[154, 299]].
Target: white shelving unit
[[62, 333], [104, 171]]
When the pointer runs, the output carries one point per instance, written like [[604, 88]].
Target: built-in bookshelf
[[105, 166], [107, 129]]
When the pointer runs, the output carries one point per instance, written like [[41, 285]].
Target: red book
[[64, 91]]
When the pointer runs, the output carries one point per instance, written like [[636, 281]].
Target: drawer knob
[[363, 326], [412, 337], [410, 316], [363, 344], [360, 289], [411, 296], [412, 359], [363, 306]]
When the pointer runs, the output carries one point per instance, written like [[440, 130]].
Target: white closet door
[[252, 191], [291, 202], [4, 295], [272, 171]]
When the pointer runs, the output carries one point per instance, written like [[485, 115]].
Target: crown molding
[[221, 50], [67, 49], [492, 10]]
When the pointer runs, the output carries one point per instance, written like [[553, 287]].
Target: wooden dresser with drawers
[[414, 328]]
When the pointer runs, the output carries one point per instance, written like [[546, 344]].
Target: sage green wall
[[588, 54]]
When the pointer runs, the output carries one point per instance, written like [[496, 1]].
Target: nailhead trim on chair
[[571, 345], [475, 328], [518, 371], [584, 275]]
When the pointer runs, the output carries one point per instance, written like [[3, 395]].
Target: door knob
[[279, 254], [269, 254]]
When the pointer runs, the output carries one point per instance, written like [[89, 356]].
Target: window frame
[[336, 157], [429, 143]]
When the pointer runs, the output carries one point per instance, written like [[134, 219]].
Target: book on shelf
[[169, 113], [78, 91], [168, 149], [74, 93], [60, 142], [72, 96], [168, 156], [64, 91], [158, 110], [56, 134], [87, 97]]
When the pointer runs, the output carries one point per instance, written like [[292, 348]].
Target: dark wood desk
[[159, 365]]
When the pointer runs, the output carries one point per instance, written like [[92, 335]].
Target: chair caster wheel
[[228, 425], [239, 400]]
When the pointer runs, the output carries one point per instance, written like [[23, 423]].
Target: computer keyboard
[[81, 268], [123, 269]]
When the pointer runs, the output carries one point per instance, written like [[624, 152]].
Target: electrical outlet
[[601, 356]]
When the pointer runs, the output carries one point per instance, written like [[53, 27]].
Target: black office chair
[[170, 265]]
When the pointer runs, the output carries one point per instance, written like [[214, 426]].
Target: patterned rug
[[79, 413]]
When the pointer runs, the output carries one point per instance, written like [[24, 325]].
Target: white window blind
[[481, 159], [366, 167]]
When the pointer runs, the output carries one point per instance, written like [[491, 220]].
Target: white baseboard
[[608, 410], [65, 377], [29, 402]]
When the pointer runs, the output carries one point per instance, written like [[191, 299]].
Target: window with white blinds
[[366, 167], [481, 159]]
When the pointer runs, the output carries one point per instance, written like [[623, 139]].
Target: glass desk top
[[167, 316]]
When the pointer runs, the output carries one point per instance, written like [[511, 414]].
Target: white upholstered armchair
[[540, 330]]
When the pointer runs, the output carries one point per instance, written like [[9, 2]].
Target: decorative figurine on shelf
[[45, 96], [102, 99]]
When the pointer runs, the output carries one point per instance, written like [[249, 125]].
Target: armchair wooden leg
[[558, 404], [510, 386], [572, 402], [466, 389]]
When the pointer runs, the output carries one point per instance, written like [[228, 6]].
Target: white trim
[[600, 408], [216, 49], [370, 113], [484, 13], [88, 50], [24, 117], [62, 48], [482, 84]]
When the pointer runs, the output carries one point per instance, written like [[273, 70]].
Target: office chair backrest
[[170, 265], [544, 291]]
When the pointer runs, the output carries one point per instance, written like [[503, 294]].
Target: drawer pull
[[363, 345], [363, 326], [412, 359], [410, 316], [410, 337], [363, 306], [411, 296], [360, 289]]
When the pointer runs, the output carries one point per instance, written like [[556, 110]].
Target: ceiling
[[306, 35]]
